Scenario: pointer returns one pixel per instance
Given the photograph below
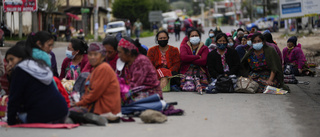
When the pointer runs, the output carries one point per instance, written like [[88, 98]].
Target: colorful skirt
[[261, 78], [191, 72]]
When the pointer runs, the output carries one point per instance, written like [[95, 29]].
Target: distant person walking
[[177, 29], [128, 27], [137, 28], [53, 32], [68, 33]]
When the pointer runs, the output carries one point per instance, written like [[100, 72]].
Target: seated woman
[[165, 58], [293, 55], [102, 90], [140, 74], [262, 64], [34, 97], [111, 45], [193, 56], [75, 61], [244, 47], [231, 42], [210, 39], [39, 45], [223, 60]]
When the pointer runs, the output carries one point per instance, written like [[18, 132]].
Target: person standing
[[177, 29], [68, 33], [155, 28], [137, 28], [128, 27], [53, 32]]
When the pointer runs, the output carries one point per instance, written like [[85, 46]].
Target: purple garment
[[142, 73], [276, 48], [238, 42], [54, 64], [295, 57]]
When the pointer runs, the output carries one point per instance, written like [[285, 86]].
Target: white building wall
[[12, 21]]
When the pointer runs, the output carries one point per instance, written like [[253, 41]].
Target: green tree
[[162, 5], [132, 10]]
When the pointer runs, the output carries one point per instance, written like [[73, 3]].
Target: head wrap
[[266, 31], [293, 39], [98, 47], [127, 44], [228, 34], [250, 35]]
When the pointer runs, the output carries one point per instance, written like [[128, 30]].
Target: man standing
[[137, 28], [177, 29], [128, 27]]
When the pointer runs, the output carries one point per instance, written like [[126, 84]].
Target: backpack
[[224, 84]]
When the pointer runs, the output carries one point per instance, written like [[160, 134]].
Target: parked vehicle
[[270, 23], [114, 27]]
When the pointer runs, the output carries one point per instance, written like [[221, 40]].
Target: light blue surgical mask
[[230, 44], [195, 40], [257, 46], [249, 43], [211, 35], [69, 54]]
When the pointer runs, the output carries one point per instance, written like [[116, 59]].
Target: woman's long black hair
[[138, 45]]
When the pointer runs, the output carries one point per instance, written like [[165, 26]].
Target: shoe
[[95, 119]]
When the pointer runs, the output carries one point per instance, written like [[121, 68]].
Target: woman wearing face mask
[[165, 58], [75, 61], [34, 97], [231, 42], [244, 47], [262, 64], [193, 56], [293, 55], [210, 39], [223, 60]]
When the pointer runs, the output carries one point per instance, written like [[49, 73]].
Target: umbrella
[[73, 16], [152, 102]]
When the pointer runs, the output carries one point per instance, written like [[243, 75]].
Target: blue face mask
[[69, 54], [221, 46], [230, 44], [257, 46], [211, 35]]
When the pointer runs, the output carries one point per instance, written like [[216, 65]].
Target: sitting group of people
[[36, 96]]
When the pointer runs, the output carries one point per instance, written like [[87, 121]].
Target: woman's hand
[[300, 71], [269, 82], [9, 69]]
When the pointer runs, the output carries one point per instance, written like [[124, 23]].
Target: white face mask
[[257, 46], [249, 43], [195, 40]]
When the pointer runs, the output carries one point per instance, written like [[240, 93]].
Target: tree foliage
[[162, 5]]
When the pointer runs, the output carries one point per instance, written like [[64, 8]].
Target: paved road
[[223, 115]]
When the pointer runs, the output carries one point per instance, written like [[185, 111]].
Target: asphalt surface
[[296, 114]]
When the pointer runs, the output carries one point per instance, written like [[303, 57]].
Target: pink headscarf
[[127, 44]]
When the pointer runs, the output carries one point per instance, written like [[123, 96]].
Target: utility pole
[[96, 25], [20, 25], [202, 12]]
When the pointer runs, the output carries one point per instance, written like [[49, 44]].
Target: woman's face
[[122, 55], [290, 44], [256, 40], [47, 46], [70, 48], [111, 52], [222, 40], [230, 41], [194, 34], [95, 58], [244, 41], [162, 36], [12, 61]]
